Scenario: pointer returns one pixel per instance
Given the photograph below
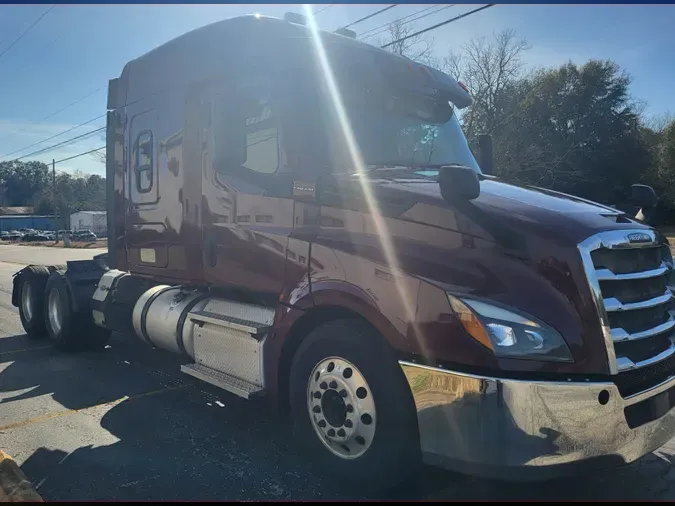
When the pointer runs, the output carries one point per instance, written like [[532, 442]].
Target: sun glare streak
[[355, 155]]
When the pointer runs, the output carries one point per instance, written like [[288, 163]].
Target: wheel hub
[[55, 311], [333, 408], [341, 407], [27, 301]]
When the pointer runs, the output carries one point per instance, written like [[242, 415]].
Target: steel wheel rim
[[27, 301], [336, 383], [55, 311]]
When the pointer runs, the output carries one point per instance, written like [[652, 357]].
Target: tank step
[[252, 327], [226, 382]]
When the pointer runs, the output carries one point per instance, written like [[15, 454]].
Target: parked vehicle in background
[[94, 221], [346, 256], [84, 235], [12, 236], [34, 237]]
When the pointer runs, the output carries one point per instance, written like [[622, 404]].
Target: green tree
[[574, 129]]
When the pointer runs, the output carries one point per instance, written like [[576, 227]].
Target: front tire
[[352, 407]]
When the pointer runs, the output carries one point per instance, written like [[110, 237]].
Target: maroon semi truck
[[300, 215]]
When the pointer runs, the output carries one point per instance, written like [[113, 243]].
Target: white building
[[95, 221]]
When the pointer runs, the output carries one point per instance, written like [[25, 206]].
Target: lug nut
[[341, 432], [349, 408], [316, 409], [323, 385], [322, 423], [317, 395], [343, 393], [331, 433], [348, 424], [333, 384]]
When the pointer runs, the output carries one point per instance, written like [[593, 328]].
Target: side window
[[246, 130], [143, 162], [261, 127]]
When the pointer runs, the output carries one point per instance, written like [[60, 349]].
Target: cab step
[[233, 385]]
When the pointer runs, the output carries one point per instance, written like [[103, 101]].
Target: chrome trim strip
[[607, 275], [655, 390], [614, 304], [629, 400], [477, 377], [626, 364], [620, 335], [613, 239]]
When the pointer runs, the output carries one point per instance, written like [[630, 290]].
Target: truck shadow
[[129, 426]]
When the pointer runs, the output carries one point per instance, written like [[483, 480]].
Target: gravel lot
[[125, 424]]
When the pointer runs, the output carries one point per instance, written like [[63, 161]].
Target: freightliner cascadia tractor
[[299, 214]]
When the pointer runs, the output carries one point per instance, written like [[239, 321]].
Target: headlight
[[509, 333]]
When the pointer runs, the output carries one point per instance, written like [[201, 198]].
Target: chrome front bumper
[[485, 425]]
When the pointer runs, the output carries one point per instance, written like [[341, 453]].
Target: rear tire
[[31, 300], [67, 330], [355, 418]]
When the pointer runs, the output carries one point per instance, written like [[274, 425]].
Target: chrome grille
[[630, 285]]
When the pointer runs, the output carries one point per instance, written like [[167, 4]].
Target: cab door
[[145, 229], [247, 204]]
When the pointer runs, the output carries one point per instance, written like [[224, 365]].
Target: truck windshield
[[400, 129]]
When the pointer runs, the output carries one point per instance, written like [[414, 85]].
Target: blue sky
[[75, 49]]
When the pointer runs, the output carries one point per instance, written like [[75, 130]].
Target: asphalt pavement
[[125, 424]]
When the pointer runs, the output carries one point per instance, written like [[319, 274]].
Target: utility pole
[[54, 185]]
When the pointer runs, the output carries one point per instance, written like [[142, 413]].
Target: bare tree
[[418, 48], [657, 122], [99, 156], [488, 68]]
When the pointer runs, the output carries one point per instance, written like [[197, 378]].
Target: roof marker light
[[346, 32], [294, 17]]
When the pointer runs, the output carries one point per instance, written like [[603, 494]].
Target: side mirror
[[458, 182], [486, 154], [643, 196]]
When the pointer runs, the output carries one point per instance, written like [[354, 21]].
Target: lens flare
[[383, 234]]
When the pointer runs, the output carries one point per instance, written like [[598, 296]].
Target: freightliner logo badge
[[639, 237]]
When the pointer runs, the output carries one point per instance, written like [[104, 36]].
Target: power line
[[26, 31], [438, 25], [50, 148], [403, 18], [54, 113], [53, 136], [370, 15], [319, 11], [387, 26], [79, 155], [72, 104]]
